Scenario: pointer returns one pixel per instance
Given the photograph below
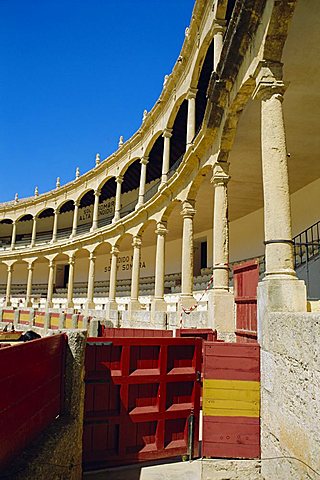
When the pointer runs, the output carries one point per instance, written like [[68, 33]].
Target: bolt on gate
[[141, 394]]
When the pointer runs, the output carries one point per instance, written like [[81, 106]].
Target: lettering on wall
[[106, 209], [124, 264]]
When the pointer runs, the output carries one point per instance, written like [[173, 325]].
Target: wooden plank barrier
[[39, 319], [24, 317], [7, 315], [68, 321], [231, 400], [54, 320], [135, 332], [31, 386]]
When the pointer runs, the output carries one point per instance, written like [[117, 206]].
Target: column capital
[[56, 211], [192, 93], [188, 210], [269, 81], [219, 26], [9, 268], [92, 256], [119, 179], [161, 229], [220, 174], [76, 203], [14, 222], [30, 266], [51, 263], [144, 160], [114, 251], [136, 242], [71, 260], [97, 192], [167, 133]]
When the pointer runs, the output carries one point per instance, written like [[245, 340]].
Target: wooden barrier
[[31, 386], [231, 400], [8, 315], [135, 332]]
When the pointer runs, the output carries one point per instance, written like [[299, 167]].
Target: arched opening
[[130, 188], [24, 231], [102, 275], [65, 218], [148, 259], [154, 168], [85, 213], [178, 143], [173, 249], [107, 202], [44, 226], [5, 233], [124, 269], [60, 280], [18, 283], [202, 86], [81, 270]]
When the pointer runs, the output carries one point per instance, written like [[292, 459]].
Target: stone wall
[[231, 470], [57, 453], [290, 395]]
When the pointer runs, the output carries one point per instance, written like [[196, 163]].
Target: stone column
[[112, 304], [220, 300], [34, 232], [90, 294], [117, 206], [28, 302], [217, 45], [55, 226], [49, 303], [143, 176], [95, 211], [191, 121], [186, 297], [13, 235], [75, 219], [135, 276], [70, 303], [158, 303], [167, 134], [287, 293], [9, 282]]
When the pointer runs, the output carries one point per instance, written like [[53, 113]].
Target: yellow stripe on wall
[[8, 316], [231, 398], [24, 317], [39, 319]]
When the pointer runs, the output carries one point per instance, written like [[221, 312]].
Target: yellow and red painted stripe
[[231, 400]]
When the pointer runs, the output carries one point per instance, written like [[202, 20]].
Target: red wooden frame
[[246, 278]]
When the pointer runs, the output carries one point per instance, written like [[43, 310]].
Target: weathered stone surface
[[290, 395], [230, 469]]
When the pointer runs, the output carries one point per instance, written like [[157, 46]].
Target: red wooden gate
[[246, 278], [231, 400], [139, 396]]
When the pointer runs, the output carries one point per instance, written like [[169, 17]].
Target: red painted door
[[139, 395], [246, 278]]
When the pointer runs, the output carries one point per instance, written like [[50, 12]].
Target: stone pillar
[[75, 219], [167, 134], [135, 276], [220, 299], [112, 304], [95, 211], [49, 303], [9, 282], [186, 297], [28, 302], [282, 290], [70, 303], [13, 235], [191, 121], [117, 206], [34, 232], [217, 45], [55, 226], [90, 294], [158, 303], [143, 176]]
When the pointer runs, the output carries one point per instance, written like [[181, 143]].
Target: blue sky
[[74, 76]]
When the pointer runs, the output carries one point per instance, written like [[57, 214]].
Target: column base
[[186, 301], [157, 305], [116, 218], [133, 306], [280, 294], [89, 306], [221, 311]]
